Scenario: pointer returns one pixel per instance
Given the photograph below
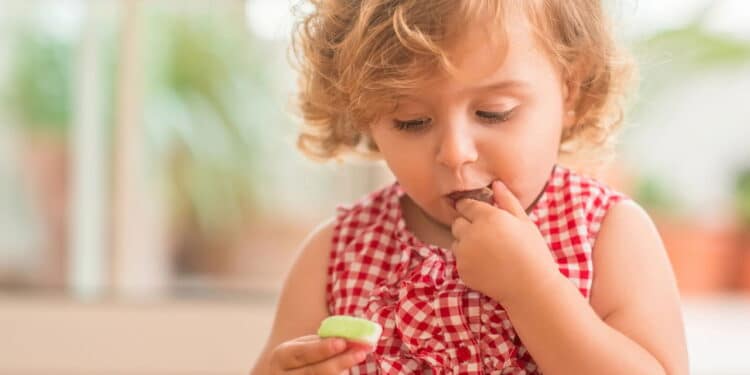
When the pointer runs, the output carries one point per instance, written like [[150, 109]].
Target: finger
[[334, 365], [306, 351], [472, 209], [505, 199], [459, 226]]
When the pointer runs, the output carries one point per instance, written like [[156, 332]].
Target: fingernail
[[360, 356]]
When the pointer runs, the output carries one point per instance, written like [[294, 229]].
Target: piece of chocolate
[[483, 195]]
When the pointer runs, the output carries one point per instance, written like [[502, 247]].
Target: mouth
[[483, 194]]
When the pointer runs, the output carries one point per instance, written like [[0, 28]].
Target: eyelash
[[411, 125], [495, 117], [420, 124]]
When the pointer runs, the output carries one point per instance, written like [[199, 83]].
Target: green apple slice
[[351, 328]]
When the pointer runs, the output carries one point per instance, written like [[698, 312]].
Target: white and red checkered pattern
[[432, 322]]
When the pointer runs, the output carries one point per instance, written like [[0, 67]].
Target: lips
[[482, 194]]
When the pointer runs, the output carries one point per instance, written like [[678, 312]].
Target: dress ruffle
[[434, 323]]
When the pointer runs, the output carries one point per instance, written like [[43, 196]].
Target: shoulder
[[319, 240], [634, 289], [628, 253], [589, 197], [302, 302], [306, 279], [305, 283]]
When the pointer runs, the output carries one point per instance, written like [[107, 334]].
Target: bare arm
[[302, 304], [633, 325]]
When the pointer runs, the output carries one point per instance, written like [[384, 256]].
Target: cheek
[[411, 164], [402, 154], [406, 163], [382, 137]]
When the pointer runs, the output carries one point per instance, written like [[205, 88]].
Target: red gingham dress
[[432, 322]]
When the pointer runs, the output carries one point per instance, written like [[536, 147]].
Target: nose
[[456, 146]]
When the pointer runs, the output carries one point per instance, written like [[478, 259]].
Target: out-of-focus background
[[151, 198]]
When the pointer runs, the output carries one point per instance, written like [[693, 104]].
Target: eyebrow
[[499, 86], [492, 87]]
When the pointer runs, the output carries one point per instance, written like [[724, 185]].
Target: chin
[[444, 216]]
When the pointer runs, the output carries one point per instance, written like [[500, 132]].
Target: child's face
[[458, 133]]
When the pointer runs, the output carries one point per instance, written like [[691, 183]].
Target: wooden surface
[[60, 336], [54, 335]]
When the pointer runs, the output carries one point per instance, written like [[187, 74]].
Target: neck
[[424, 227]]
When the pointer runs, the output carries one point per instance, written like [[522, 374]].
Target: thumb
[[504, 199]]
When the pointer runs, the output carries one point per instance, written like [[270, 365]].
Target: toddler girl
[[556, 273]]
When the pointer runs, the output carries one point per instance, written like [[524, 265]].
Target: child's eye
[[412, 125], [495, 117]]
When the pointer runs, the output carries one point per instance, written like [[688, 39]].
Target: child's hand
[[499, 250], [313, 355]]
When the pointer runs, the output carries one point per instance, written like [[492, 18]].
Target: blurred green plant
[[694, 47], [668, 57], [206, 110], [39, 92], [742, 197], [655, 195]]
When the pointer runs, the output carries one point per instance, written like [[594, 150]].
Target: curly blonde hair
[[355, 57]]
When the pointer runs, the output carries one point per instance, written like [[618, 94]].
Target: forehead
[[481, 61]]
